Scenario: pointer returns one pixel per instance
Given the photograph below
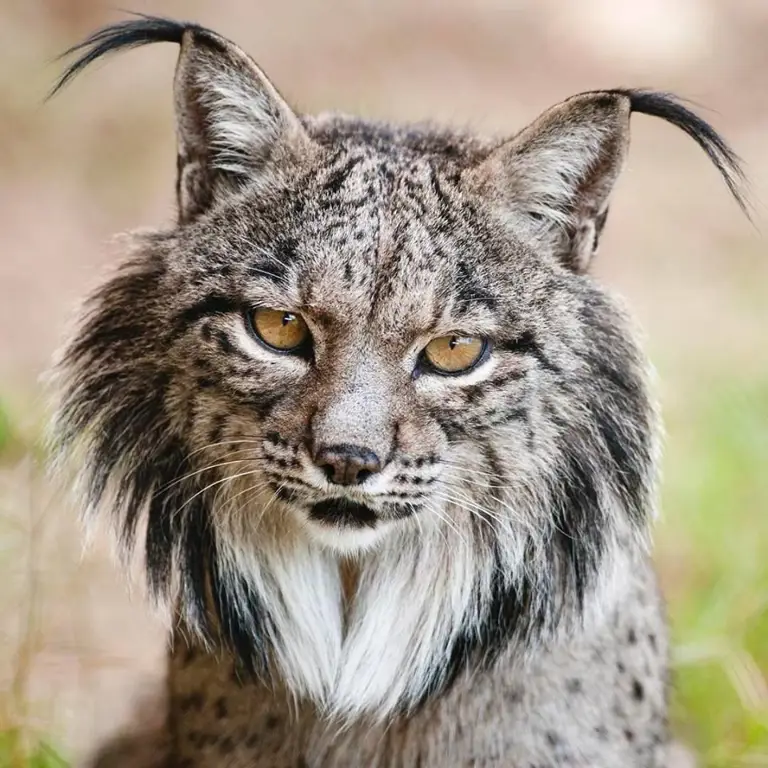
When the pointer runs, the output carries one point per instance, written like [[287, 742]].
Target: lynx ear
[[556, 176], [231, 121]]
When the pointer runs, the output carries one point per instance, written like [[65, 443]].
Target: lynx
[[387, 450]]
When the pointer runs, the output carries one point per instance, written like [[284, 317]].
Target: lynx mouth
[[343, 513]]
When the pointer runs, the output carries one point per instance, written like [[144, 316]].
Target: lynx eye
[[281, 330], [454, 354]]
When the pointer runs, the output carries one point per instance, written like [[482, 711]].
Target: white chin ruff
[[343, 539]]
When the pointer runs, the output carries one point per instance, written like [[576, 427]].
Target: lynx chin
[[387, 450]]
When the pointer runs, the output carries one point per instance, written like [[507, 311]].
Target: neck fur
[[420, 604]]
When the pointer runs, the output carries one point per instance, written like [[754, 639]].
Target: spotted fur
[[502, 546]]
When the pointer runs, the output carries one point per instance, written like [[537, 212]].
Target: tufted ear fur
[[231, 121], [555, 177], [232, 124]]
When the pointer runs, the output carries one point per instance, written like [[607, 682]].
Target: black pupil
[[453, 342], [287, 318]]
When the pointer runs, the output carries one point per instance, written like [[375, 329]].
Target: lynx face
[[371, 340], [366, 337]]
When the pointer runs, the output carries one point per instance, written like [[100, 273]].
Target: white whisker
[[213, 485], [200, 471]]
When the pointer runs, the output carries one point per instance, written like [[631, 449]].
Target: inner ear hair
[[555, 177]]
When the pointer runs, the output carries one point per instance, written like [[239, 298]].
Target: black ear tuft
[[122, 36], [232, 124], [669, 107]]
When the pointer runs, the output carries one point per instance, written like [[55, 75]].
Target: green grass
[[713, 555], [20, 745], [6, 430], [18, 438], [712, 551], [17, 752]]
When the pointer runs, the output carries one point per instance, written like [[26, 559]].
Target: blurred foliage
[[15, 752], [6, 432], [19, 438], [712, 555]]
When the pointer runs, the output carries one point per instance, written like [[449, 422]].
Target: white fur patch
[[419, 586], [415, 592], [346, 540], [244, 119]]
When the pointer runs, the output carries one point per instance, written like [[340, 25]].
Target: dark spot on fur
[[190, 654], [224, 344], [197, 738], [216, 432], [552, 738], [632, 636], [262, 401], [220, 708], [191, 702], [574, 685], [469, 289], [335, 180], [506, 378], [638, 692], [286, 494]]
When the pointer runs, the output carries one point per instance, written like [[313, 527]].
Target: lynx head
[[375, 344]]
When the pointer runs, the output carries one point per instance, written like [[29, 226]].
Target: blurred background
[[78, 654]]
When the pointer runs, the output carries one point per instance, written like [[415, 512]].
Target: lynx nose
[[346, 464]]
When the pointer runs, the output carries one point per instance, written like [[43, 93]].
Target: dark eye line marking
[[526, 344], [212, 304]]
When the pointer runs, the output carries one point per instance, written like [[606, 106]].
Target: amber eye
[[454, 354], [280, 330]]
